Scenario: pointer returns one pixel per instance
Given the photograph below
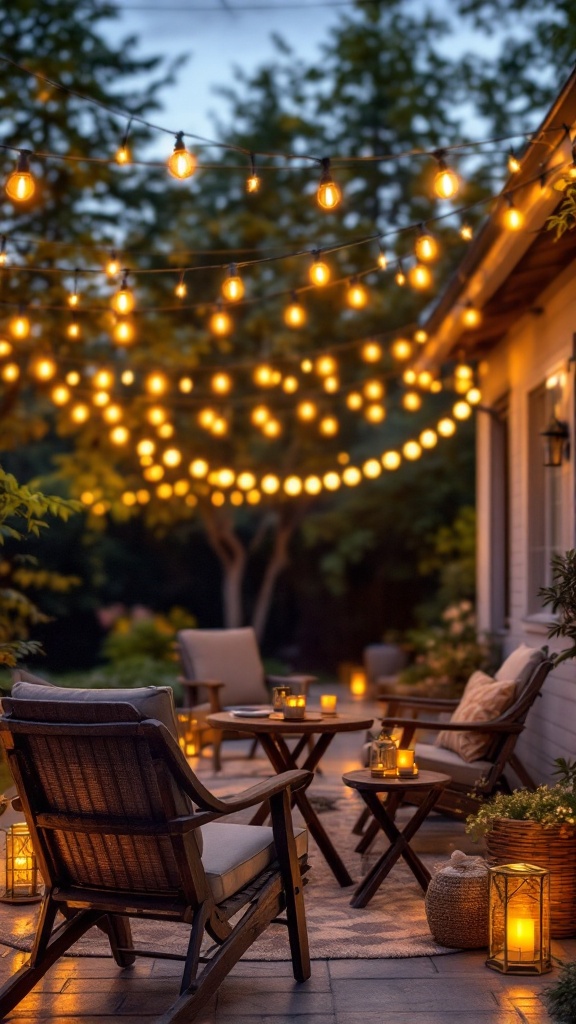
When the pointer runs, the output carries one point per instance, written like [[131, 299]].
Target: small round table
[[432, 784]]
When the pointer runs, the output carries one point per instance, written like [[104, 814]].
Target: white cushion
[[438, 759], [520, 665], [228, 656], [235, 854]]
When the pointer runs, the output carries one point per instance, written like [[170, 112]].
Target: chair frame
[[118, 727]]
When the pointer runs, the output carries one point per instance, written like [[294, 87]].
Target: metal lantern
[[519, 932], [188, 734], [22, 879], [383, 756], [555, 442]]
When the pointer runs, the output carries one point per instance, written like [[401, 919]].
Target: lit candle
[[520, 938], [328, 703], [295, 705], [405, 762], [358, 683]]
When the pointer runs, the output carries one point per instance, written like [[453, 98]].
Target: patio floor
[[454, 988]]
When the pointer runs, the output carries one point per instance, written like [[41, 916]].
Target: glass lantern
[[519, 929], [383, 756], [22, 879], [188, 734]]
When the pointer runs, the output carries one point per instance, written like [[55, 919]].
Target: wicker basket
[[457, 903], [548, 846]]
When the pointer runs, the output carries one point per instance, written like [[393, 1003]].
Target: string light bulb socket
[[123, 301], [328, 194], [181, 163]]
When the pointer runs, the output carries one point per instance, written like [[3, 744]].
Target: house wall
[[539, 345]]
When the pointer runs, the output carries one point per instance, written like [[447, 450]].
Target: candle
[[328, 703], [295, 705], [405, 762], [520, 938], [358, 683]]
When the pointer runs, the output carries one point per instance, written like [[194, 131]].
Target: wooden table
[[432, 783], [314, 738]]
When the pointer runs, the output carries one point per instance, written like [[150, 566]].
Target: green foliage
[[453, 559], [129, 672], [565, 218], [22, 515], [560, 998], [150, 636], [561, 596], [549, 805]]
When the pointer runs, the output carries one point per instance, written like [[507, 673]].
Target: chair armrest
[[492, 726], [426, 703], [256, 794], [212, 685]]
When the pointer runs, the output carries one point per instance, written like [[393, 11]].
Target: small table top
[[362, 779], [297, 726]]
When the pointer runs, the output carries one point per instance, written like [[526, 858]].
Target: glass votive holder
[[279, 694], [405, 763], [295, 706], [328, 702]]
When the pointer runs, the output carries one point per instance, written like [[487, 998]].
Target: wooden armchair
[[226, 665], [123, 828]]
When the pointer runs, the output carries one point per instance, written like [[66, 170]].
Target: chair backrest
[[229, 656], [102, 788], [530, 667]]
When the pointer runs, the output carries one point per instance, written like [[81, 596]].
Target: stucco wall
[[539, 345]]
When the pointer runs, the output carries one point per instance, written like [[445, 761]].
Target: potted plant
[[537, 827], [560, 998]]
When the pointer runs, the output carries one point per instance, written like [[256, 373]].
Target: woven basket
[[457, 903], [548, 846]]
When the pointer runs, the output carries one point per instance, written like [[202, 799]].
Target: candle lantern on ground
[[22, 878], [519, 919]]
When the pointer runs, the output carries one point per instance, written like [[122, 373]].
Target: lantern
[[188, 734], [295, 705], [358, 683], [519, 919], [383, 756], [22, 879], [556, 438]]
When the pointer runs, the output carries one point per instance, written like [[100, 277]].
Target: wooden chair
[[473, 782], [225, 663], [122, 828]]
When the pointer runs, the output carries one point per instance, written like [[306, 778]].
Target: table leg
[[373, 828], [399, 845], [281, 759]]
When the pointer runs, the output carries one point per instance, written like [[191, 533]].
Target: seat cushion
[[519, 665], [229, 656], [235, 854], [437, 759], [483, 700]]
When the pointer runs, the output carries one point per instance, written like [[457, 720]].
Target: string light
[[253, 182], [400, 276], [446, 427], [123, 331], [73, 378], [3, 253], [391, 460], [185, 385], [382, 259], [331, 384], [473, 396], [371, 469], [373, 390], [512, 218], [313, 485], [356, 295], [21, 185], [401, 349], [412, 401], [471, 316], [306, 411], [221, 383], [328, 194], [411, 450], [60, 395], [233, 286], [325, 365], [466, 232], [375, 413], [19, 326], [329, 426], [319, 271], [513, 162], [10, 373], [420, 337], [290, 384], [428, 438], [73, 330], [80, 413], [294, 314], [354, 401], [112, 265], [420, 277], [446, 181], [220, 323], [43, 368], [5, 348], [181, 163], [181, 290], [127, 377], [123, 301], [461, 410], [123, 155], [371, 352], [351, 476], [426, 247]]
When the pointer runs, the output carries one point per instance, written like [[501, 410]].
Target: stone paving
[[452, 989]]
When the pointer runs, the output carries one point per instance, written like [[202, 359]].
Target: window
[[546, 511]]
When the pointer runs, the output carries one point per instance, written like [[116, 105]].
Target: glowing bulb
[[354, 401], [112, 414], [425, 379], [373, 390], [329, 426], [306, 411], [259, 415], [428, 438], [294, 315], [328, 194], [113, 265], [10, 373], [312, 485], [123, 332], [80, 413], [400, 277], [401, 349], [172, 457], [73, 330], [270, 484], [220, 323], [246, 481], [412, 401], [263, 376], [100, 399], [233, 286], [473, 396], [219, 427], [357, 295], [3, 253], [461, 410], [331, 481], [156, 416], [181, 163], [420, 277], [290, 385], [272, 428], [293, 486], [73, 299], [471, 316], [198, 468], [371, 352], [181, 487], [19, 327], [325, 365], [206, 418], [21, 185], [153, 473], [43, 368], [409, 377], [331, 384], [463, 372], [382, 260], [156, 384], [375, 413], [145, 447], [306, 366], [5, 348], [351, 476], [466, 233], [103, 379], [426, 248], [221, 383], [420, 337], [411, 450], [319, 272], [371, 469], [512, 218], [60, 395], [513, 162], [185, 385], [391, 460], [181, 290], [446, 182], [446, 427], [123, 155], [123, 301]]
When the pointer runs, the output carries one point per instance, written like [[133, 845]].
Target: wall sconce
[[556, 437], [519, 919], [22, 879]]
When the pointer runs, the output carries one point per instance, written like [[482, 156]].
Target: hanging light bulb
[[373, 390], [513, 162], [122, 155], [319, 271], [371, 352], [512, 218], [221, 383], [420, 277], [412, 401], [329, 426], [220, 322], [357, 295], [426, 247], [325, 365], [73, 297], [290, 384], [181, 290], [19, 326], [253, 182], [294, 314], [466, 232], [181, 163], [123, 331], [5, 348], [400, 276], [471, 316], [156, 384], [113, 265], [3, 253], [185, 385], [123, 301], [73, 330], [420, 336], [328, 194], [10, 373], [382, 259], [233, 286], [60, 394], [446, 182], [43, 368], [306, 411], [21, 185], [401, 349]]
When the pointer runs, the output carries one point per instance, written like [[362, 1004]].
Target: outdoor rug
[[392, 925]]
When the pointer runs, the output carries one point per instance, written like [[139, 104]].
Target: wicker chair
[[123, 828]]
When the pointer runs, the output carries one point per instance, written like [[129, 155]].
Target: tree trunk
[[233, 557], [277, 562]]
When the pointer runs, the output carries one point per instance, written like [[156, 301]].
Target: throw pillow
[[483, 699]]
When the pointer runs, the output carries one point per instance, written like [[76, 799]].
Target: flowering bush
[[548, 805], [447, 654]]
